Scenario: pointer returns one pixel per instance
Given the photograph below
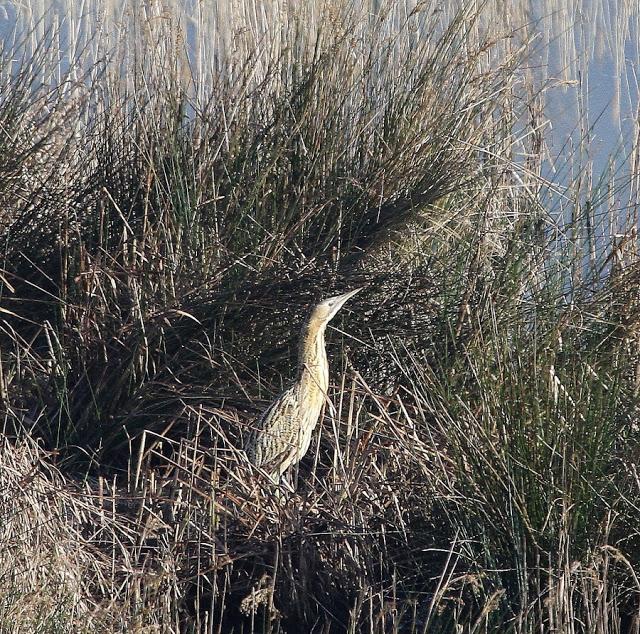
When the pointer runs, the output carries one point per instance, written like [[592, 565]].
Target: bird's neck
[[313, 369]]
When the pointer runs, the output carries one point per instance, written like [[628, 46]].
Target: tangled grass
[[161, 243]]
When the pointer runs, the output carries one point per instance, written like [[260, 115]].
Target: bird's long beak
[[341, 299]]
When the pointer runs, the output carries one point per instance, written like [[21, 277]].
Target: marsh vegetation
[[175, 191]]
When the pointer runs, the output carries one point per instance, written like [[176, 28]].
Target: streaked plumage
[[282, 435]]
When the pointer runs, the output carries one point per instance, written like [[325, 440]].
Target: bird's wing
[[276, 432]]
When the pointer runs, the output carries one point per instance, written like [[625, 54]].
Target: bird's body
[[282, 434]]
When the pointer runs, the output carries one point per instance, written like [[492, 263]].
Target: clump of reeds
[[52, 573], [162, 240]]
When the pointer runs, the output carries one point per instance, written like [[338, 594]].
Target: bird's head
[[326, 310]]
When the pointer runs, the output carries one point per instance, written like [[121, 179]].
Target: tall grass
[[164, 230]]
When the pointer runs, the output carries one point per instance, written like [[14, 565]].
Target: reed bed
[[164, 231]]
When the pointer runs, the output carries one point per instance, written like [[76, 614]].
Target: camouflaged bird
[[282, 435]]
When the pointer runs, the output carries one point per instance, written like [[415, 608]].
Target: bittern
[[282, 434]]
